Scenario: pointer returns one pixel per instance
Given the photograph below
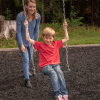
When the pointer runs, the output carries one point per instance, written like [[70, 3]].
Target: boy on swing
[[49, 59]]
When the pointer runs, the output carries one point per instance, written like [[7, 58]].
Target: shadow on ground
[[83, 82]]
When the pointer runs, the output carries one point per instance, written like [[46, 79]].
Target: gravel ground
[[83, 82]]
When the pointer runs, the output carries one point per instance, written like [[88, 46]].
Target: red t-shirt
[[48, 55]]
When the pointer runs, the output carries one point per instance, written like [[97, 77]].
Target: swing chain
[[67, 64], [24, 9], [29, 39], [64, 10]]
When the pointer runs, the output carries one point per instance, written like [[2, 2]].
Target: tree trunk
[[92, 12], [99, 6], [42, 11], [0, 8]]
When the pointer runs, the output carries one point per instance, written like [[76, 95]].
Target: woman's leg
[[61, 79], [30, 52], [48, 70], [25, 63], [25, 57]]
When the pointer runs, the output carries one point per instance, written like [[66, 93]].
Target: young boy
[[49, 59]]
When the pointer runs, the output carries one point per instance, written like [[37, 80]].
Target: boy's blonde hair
[[48, 31]]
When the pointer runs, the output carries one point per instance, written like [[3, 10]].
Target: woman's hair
[[48, 31], [35, 13]]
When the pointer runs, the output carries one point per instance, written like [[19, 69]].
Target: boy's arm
[[66, 32], [27, 34]]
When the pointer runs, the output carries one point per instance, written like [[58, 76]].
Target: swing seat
[[41, 74]]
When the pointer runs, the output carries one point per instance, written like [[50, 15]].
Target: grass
[[8, 43], [77, 35], [84, 35]]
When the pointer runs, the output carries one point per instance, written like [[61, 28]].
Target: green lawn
[[84, 35], [77, 35]]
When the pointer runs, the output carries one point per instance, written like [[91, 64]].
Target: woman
[[33, 27]]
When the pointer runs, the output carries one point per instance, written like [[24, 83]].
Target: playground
[[83, 18], [83, 82]]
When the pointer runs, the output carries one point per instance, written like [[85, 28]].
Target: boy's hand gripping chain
[[29, 39], [67, 64]]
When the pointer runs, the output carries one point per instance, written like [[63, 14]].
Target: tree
[[0, 8], [42, 11]]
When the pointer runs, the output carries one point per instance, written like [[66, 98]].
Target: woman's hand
[[22, 48]]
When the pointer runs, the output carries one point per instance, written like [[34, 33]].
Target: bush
[[75, 21]]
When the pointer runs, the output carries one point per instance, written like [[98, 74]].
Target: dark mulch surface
[[83, 82]]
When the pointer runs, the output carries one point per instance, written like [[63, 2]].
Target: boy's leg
[[61, 79], [48, 70]]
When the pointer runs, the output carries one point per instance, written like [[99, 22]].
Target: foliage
[[8, 14], [75, 21], [77, 35], [52, 10], [18, 3], [38, 5]]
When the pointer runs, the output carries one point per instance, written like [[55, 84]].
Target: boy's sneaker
[[65, 97], [59, 97], [28, 83]]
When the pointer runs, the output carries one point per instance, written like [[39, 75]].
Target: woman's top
[[33, 28]]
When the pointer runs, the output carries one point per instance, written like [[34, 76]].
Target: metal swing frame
[[67, 64]]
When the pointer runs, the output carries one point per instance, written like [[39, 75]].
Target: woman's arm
[[19, 31], [66, 32], [27, 33], [19, 24]]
